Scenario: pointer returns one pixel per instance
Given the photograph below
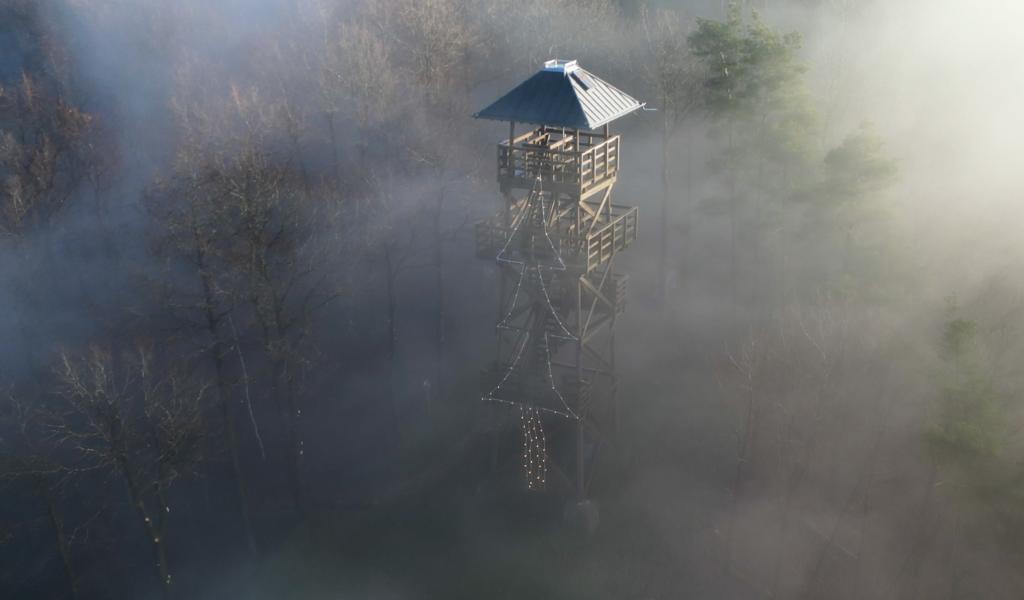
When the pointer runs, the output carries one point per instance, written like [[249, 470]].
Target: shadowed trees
[[310, 155], [29, 457], [190, 229], [138, 419]]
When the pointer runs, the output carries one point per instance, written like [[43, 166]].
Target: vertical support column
[[581, 484], [614, 392]]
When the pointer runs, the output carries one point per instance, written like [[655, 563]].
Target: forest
[[243, 323]]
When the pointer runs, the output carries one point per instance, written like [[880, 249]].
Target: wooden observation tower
[[555, 240]]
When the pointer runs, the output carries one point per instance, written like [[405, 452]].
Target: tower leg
[[581, 484]]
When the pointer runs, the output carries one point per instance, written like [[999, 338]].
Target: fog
[[243, 323]]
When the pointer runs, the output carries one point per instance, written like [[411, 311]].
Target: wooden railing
[[599, 163], [611, 238], [527, 161], [561, 160]]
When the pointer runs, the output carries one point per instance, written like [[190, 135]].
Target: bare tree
[[672, 73], [134, 417], [398, 245], [192, 232], [281, 256], [27, 457], [532, 31], [358, 80], [44, 153], [431, 41], [748, 366]]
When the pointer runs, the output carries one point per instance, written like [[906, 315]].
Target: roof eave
[[531, 121], [618, 115]]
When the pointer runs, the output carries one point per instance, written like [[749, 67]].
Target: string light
[[515, 361], [535, 457], [551, 308], [517, 222], [544, 226], [534, 453], [551, 378], [515, 298], [540, 409]]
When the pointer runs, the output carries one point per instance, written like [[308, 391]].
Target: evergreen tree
[[762, 117]]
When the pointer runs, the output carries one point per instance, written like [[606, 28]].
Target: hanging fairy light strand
[[535, 456]]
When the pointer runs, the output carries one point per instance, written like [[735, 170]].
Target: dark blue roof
[[562, 95]]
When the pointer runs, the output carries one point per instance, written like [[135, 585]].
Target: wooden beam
[[604, 203], [595, 291]]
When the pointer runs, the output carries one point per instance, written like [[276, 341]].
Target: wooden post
[[511, 160], [581, 484]]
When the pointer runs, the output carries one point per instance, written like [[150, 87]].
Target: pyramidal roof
[[562, 94]]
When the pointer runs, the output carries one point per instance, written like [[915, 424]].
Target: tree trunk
[[663, 225], [392, 309], [439, 382], [687, 225], [295, 450], [60, 541], [734, 267], [164, 572], [231, 439], [331, 130], [737, 488], [915, 559], [153, 531]]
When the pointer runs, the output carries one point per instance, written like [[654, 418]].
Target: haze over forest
[[243, 323]]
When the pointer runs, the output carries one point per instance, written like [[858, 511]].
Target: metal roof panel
[[562, 97]]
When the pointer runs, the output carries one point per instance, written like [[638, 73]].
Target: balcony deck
[[565, 161], [611, 238], [593, 249]]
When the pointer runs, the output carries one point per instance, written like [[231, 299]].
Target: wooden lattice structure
[[555, 241]]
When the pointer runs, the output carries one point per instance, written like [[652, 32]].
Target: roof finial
[[561, 66]]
